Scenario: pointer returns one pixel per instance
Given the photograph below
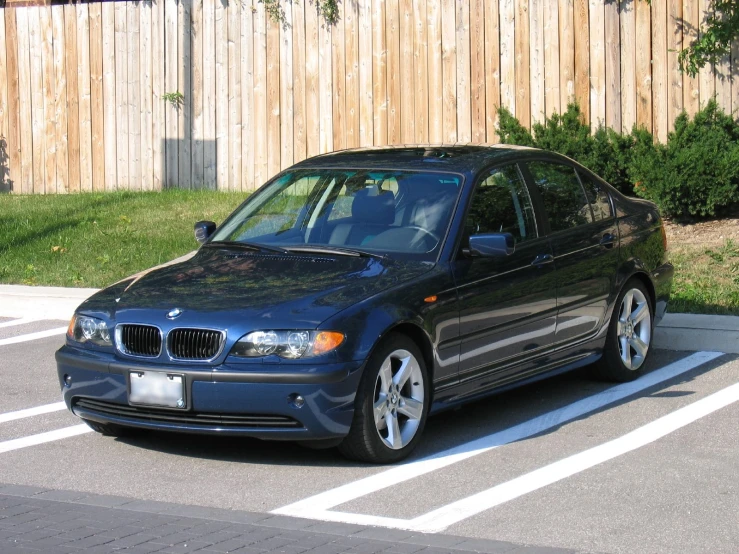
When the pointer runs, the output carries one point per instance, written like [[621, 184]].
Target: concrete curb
[[675, 332]]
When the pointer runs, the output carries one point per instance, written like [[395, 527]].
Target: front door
[[508, 305]]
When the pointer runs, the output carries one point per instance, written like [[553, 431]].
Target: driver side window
[[501, 204]]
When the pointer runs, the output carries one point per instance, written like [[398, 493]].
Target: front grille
[[88, 406], [140, 340], [194, 344]]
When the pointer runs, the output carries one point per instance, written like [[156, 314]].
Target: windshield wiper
[[247, 245], [325, 249]]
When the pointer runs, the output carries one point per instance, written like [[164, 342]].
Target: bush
[[696, 174]]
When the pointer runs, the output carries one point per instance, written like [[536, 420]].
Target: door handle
[[608, 240], [542, 259]]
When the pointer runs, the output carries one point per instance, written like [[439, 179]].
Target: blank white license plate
[[157, 388]]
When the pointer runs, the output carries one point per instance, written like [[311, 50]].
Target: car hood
[[233, 288]]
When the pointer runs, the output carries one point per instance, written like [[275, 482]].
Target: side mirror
[[492, 245], [203, 230]]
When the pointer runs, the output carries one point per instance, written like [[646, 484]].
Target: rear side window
[[563, 196], [501, 204], [598, 198]]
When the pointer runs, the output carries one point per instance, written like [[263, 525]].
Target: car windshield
[[351, 212]]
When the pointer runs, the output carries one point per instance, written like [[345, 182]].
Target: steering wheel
[[426, 232]]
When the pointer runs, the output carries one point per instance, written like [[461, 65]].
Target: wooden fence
[[87, 90]]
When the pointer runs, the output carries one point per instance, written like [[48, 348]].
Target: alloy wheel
[[634, 329]]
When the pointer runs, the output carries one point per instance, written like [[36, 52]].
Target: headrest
[[372, 205]]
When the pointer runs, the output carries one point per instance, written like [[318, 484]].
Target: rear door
[[584, 239]]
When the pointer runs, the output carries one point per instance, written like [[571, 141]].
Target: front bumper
[[245, 399]]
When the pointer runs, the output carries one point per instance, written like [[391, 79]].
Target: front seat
[[373, 211]]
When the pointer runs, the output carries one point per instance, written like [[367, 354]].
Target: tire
[[629, 335], [109, 429], [395, 386]]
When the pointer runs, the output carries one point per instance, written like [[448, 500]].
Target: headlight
[[287, 344], [89, 329]]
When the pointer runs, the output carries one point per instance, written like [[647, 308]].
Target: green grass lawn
[[93, 240]]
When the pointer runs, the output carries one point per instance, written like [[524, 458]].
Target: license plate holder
[[157, 388]]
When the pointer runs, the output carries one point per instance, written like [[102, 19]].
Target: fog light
[[296, 401], [67, 380]]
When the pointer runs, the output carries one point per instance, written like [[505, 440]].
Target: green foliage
[[326, 9], [175, 98], [696, 174], [720, 28]]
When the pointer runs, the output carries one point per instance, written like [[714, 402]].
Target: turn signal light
[[326, 341]]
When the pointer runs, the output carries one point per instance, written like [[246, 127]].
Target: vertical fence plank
[[97, 113], [597, 64], [464, 112], [537, 84], [300, 46], [260, 96], [366, 127], [184, 84], [351, 61], [312, 90], [146, 60], [172, 61], [449, 71], [407, 121], [73, 100], [273, 97], [707, 83], [47, 57], [566, 53], [435, 85], [338, 80], [628, 66], [492, 70], [552, 94], [196, 34], [134, 100], [582, 57], [613, 67], [37, 100], [60, 99], [379, 74], [723, 83], [209, 92], [659, 68], [523, 64], [159, 130], [13, 180], [392, 30], [643, 66], [286, 91], [735, 78], [121, 94], [233, 13], [477, 70], [507, 13], [691, 85], [109, 98], [247, 100], [674, 33], [83, 82], [4, 152]]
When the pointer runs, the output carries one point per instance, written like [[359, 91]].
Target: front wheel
[[391, 406], [629, 335]]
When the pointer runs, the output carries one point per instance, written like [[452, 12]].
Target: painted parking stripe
[[319, 506], [41, 438], [19, 321], [34, 336], [30, 412]]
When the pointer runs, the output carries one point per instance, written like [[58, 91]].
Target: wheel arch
[[421, 339]]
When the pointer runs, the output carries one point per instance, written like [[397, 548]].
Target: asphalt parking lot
[[650, 466]]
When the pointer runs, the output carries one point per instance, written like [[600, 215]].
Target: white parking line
[[19, 321], [319, 506], [30, 412], [41, 438], [34, 336]]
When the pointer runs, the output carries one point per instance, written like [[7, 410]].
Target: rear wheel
[[391, 405], [629, 335]]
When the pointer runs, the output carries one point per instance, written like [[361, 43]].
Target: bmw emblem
[[173, 314]]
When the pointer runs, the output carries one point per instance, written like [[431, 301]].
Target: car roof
[[458, 158]]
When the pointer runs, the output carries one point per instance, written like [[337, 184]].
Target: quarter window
[[562, 194], [501, 204], [598, 198]]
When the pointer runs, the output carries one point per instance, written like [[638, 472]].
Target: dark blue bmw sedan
[[356, 293]]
